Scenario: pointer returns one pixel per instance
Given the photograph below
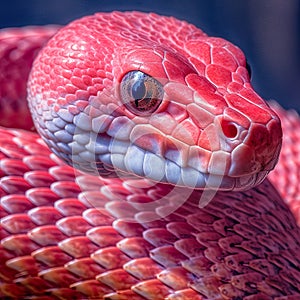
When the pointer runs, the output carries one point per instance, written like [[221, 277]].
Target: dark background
[[268, 31]]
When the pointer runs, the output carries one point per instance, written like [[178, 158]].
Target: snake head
[[150, 96]]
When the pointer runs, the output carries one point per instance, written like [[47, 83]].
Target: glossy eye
[[141, 93]]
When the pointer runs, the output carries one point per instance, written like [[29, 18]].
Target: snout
[[259, 151]]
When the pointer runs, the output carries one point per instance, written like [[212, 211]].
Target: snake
[[140, 167]]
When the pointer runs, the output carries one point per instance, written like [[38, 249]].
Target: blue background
[[268, 31]]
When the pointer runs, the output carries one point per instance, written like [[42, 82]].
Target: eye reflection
[[141, 93]]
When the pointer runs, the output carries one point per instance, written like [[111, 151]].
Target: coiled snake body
[[168, 119]]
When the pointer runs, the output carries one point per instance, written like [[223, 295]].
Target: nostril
[[229, 129]]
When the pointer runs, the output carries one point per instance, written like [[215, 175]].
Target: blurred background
[[268, 31]]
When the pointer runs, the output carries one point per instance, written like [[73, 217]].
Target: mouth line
[[124, 157], [165, 171]]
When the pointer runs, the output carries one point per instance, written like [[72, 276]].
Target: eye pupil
[[138, 91]]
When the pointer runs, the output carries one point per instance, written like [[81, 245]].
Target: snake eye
[[141, 93]]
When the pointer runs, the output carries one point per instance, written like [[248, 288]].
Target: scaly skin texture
[[286, 175], [63, 239], [210, 121], [69, 235], [18, 48]]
